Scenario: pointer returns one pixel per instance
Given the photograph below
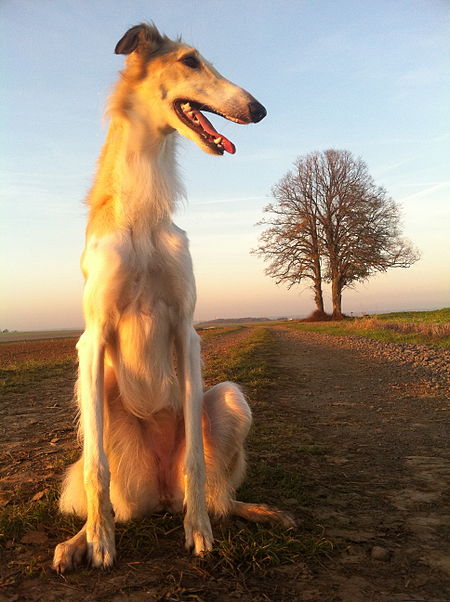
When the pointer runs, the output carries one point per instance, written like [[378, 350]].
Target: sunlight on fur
[[152, 439]]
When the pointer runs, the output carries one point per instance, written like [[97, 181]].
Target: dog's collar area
[[189, 112]]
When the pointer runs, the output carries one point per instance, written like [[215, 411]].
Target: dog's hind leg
[[227, 420], [73, 495]]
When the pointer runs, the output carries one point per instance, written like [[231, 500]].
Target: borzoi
[[152, 439]]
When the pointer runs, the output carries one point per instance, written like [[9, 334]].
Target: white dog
[[152, 439]]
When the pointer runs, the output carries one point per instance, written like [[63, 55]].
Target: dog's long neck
[[137, 179]]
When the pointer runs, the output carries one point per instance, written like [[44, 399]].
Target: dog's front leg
[[100, 518], [197, 525], [96, 539]]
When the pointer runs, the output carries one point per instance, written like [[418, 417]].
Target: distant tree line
[[331, 223]]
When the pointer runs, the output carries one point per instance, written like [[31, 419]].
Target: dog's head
[[173, 84]]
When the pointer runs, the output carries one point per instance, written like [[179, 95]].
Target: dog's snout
[[257, 111]]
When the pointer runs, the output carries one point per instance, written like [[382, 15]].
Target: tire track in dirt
[[381, 490]]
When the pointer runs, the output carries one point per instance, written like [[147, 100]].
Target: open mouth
[[189, 112]]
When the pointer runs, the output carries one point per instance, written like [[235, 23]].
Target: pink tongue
[[209, 128]]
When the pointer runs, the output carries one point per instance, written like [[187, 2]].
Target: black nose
[[257, 111]]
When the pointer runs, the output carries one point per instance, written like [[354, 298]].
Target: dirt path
[[382, 485], [376, 474]]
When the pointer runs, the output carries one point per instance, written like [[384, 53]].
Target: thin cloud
[[391, 166], [426, 191]]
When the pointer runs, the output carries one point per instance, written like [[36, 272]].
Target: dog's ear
[[141, 38]]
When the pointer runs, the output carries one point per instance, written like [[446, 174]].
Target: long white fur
[[152, 440]]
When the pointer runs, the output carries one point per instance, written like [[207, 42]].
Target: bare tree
[[292, 247], [331, 222]]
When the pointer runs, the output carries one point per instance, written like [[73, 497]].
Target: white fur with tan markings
[[152, 439]]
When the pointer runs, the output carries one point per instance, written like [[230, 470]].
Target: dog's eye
[[191, 61]]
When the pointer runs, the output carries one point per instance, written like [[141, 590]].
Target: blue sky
[[370, 77]]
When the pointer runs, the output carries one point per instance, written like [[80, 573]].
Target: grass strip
[[422, 333], [276, 453]]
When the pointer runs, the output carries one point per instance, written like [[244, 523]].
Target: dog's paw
[[199, 537], [101, 548], [71, 553], [101, 554]]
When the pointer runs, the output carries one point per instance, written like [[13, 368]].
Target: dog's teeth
[[218, 140]]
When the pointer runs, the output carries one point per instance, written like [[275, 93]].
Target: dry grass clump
[[428, 329], [318, 316], [425, 327]]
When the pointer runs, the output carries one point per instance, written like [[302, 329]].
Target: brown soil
[[383, 486], [379, 486]]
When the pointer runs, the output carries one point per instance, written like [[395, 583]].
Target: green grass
[[19, 518], [255, 547], [26, 376], [436, 315], [209, 333], [275, 471], [426, 328], [247, 364]]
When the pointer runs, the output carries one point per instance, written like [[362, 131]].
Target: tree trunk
[[336, 295], [318, 296]]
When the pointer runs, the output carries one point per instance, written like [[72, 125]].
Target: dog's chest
[[162, 271]]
